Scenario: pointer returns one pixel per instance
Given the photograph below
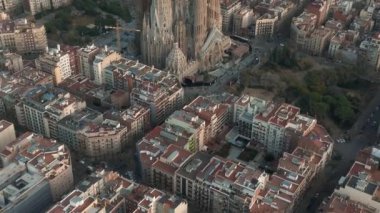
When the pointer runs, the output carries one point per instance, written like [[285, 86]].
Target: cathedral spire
[[157, 36]]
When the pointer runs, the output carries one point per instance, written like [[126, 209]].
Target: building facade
[[55, 62], [23, 36], [188, 23], [42, 176], [37, 6], [86, 58], [7, 133], [44, 107]]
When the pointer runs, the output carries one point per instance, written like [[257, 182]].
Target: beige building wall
[[101, 145], [60, 3], [265, 27], [62, 183], [358, 196], [25, 38], [20, 114], [86, 59], [57, 76], [7, 133], [7, 40], [103, 63], [12, 6], [37, 6]]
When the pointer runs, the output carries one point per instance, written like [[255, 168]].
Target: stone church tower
[[199, 28], [157, 35], [214, 14], [180, 12], [194, 24], [176, 62]]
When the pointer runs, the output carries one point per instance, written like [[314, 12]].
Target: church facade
[[176, 29]]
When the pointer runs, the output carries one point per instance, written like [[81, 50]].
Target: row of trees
[[320, 92], [67, 29], [115, 7], [323, 94]]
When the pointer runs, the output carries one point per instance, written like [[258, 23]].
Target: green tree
[[320, 109], [345, 115], [315, 82], [343, 111], [193, 145]]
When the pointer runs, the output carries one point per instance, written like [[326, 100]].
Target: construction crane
[[118, 29]]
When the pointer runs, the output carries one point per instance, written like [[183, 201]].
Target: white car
[[340, 140]]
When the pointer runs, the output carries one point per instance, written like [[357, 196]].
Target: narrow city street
[[363, 134], [260, 52]]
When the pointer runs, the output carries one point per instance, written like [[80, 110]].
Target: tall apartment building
[[361, 184], [22, 36], [7, 133], [103, 59], [209, 184], [37, 6], [229, 100], [94, 136], [266, 26], [14, 7], [43, 107], [235, 186], [369, 54], [74, 57], [136, 118], [363, 23], [69, 127], [11, 97], [320, 8], [11, 62], [182, 129], [246, 109], [149, 151], [110, 192], [161, 100], [228, 8], [270, 127], [60, 3], [308, 37], [147, 86], [286, 187], [213, 184], [242, 19], [318, 41], [342, 46], [338, 203], [86, 58], [188, 125], [215, 115], [55, 62], [26, 193], [187, 185], [103, 140], [301, 27], [36, 172], [164, 168]]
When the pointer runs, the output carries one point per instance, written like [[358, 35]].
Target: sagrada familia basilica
[[183, 36]]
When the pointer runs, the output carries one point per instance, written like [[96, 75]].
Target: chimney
[[106, 48], [58, 47], [47, 49]]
